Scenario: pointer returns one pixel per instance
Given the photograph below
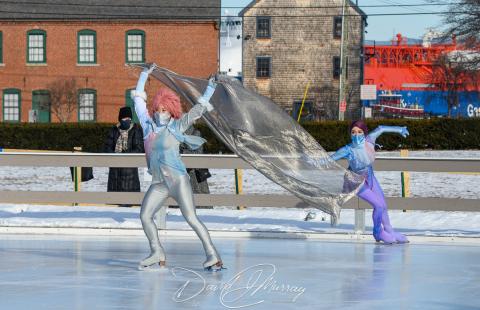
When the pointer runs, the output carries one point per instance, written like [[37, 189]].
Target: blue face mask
[[358, 139]]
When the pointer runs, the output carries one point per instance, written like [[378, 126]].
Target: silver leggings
[[180, 190]]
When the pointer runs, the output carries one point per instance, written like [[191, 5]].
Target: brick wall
[[187, 48], [302, 48]]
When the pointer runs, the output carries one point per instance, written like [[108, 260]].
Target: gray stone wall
[[302, 47]]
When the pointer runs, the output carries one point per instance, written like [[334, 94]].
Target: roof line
[[254, 2]]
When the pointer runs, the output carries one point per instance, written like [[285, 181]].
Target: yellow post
[[239, 185], [405, 178], [303, 102], [77, 174]]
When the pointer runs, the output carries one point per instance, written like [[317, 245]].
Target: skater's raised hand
[[150, 68], [204, 100], [404, 132], [212, 82]]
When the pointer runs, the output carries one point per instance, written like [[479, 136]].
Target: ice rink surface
[[79, 272]]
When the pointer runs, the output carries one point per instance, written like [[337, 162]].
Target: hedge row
[[439, 134]]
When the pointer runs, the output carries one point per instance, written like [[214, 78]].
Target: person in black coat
[[124, 137]]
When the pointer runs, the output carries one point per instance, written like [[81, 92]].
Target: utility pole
[[343, 47]]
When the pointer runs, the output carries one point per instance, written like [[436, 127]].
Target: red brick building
[[94, 43]]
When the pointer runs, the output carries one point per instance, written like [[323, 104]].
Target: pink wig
[[168, 99]]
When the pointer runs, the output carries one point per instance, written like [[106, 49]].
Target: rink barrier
[[95, 232], [412, 164], [249, 200]]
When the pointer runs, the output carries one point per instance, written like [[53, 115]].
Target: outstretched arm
[[341, 153], [189, 118], [139, 97], [197, 111], [401, 130]]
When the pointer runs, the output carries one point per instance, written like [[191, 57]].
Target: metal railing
[[458, 165]]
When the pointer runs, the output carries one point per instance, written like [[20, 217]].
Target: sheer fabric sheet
[[261, 133]]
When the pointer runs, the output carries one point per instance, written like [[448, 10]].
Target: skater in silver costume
[[163, 130]]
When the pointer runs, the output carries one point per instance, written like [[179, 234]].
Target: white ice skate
[[155, 258], [213, 263]]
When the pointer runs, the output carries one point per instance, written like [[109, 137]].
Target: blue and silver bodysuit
[[169, 175], [360, 158]]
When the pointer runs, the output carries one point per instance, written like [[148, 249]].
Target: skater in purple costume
[[361, 155]]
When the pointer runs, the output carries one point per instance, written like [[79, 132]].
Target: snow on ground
[[253, 219], [228, 219]]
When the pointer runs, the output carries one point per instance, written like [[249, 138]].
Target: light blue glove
[[150, 69], [143, 78], [204, 100], [404, 132]]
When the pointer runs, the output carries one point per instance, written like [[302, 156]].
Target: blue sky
[[383, 27]]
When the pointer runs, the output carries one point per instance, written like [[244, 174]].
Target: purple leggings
[[382, 229]]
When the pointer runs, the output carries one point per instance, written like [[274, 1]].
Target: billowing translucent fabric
[[260, 132]]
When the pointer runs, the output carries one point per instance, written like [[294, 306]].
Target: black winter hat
[[124, 112]]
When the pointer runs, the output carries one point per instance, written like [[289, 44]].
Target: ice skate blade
[[385, 243], [154, 267], [215, 268]]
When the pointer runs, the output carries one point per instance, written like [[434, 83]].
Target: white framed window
[[87, 105], [11, 105], [135, 46], [36, 46], [87, 46]]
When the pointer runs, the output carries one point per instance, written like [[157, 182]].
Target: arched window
[[135, 46], [87, 47], [36, 46], [12, 111], [87, 105]]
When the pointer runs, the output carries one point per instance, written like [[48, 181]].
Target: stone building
[[288, 44], [93, 42]]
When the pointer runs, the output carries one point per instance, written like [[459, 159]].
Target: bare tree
[[453, 74], [328, 100], [463, 22], [63, 98]]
